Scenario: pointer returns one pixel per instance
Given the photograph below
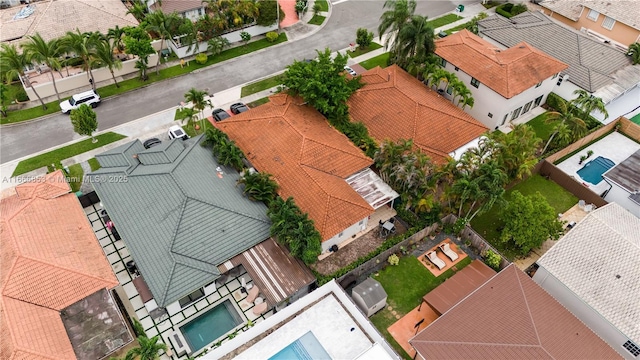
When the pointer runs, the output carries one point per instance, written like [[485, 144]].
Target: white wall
[[489, 102], [346, 234], [598, 324], [621, 197]]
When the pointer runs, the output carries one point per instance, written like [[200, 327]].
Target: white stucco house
[[505, 83], [624, 180], [594, 270], [189, 9]]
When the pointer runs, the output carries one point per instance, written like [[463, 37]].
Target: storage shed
[[370, 296]]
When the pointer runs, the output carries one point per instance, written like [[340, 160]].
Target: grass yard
[[324, 6], [444, 20], [405, 285], [488, 223], [381, 60], [457, 28], [542, 129], [94, 164], [258, 102], [75, 177], [359, 51], [191, 131], [263, 84], [55, 156], [317, 20], [31, 113]]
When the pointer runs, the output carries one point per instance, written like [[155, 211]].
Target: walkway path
[[290, 15]]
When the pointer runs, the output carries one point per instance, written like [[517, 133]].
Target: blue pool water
[[305, 348], [593, 170], [211, 325]]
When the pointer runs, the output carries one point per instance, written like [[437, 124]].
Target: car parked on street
[[219, 114], [149, 143], [350, 71], [90, 98], [238, 108], [176, 132]]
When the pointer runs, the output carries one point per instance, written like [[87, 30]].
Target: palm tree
[[229, 154], [162, 25], [259, 186], [197, 98], [565, 116], [13, 64], [138, 10], [394, 19], [516, 152], [84, 46], [282, 214], [414, 40], [217, 44], [46, 52], [588, 103], [115, 35], [147, 350], [189, 115], [634, 52], [103, 56]]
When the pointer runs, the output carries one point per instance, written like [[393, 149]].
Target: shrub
[[201, 58], [272, 36], [364, 37], [505, 10], [518, 9], [492, 259], [554, 100], [301, 6], [393, 259], [21, 95]]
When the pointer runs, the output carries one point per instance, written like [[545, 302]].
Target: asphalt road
[[24, 139]]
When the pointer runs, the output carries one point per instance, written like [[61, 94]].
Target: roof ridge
[[526, 303], [165, 292], [90, 3], [360, 154]]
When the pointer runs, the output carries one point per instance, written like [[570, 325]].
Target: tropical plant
[[3, 99], [473, 24], [492, 259], [138, 329], [137, 42], [393, 259], [268, 13], [393, 20], [47, 52], [201, 58], [294, 229], [414, 41], [163, 26], [515, 151], [587, 103], [259, 186], [147, 349], [190, 115], [565, 116], [84, 46], [317, 8], [103, 56], [364, 37], [246, 37], [198, 99], [84, 121], [138, 10], [634, 52], [272, 36], [217, 44], [115, 35], [13, 64]]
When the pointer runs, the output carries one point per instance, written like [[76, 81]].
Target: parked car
[[88, 97], [350, 71], [176, 132], [219, 114], [238, 108], [149, 143]]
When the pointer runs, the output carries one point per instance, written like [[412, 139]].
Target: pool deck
[[615, 147]]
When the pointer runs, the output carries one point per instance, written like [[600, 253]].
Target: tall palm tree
[[197, 98], [13, 64], [138, 10], [189, 115], [162, 25], [147, 350], [462, 92], [588, 103], [394, 19], [46, 52], [84, 46], [115, 35], [565, 116], [414, 40], [103, 56]]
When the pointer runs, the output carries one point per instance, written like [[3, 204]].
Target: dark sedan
[[219, 114], [238, 108]]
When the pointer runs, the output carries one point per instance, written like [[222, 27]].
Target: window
[[632, 348], [538, 101], [608, 23], [340, 235], [443, 62], [198, 294], [457, 68], [527, 107], [474, 82], [450, 90], [593, 15], [538, 84], [516, 113], [490, 115], [504, 119]]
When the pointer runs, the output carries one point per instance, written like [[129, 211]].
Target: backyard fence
[[582, 142], [550, 171]]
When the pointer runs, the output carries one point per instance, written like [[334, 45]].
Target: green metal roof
[[178, 218]]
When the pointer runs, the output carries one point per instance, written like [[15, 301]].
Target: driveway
[[347, 16]]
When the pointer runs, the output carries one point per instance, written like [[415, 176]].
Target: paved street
[[27, 138]]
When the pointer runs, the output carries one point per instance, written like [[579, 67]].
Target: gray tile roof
[[371, 291], [625, 11], [591, 63], [599, 261], [627, 173], [178, 218]]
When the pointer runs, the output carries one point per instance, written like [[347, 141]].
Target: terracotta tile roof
[[178, 6], [510, 317], [394, 105], [309, 160], [50, 260], [508, 72]]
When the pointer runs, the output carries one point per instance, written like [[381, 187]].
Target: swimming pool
[[306, 347], [593, 170], [211, 325]]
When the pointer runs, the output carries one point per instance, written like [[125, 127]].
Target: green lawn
[[405, 285], [444, 20], [317, 20], [75, 177], [324, 6], [541, 127], [359, 51], [94, 164], [258, 102], [131, 84], [55, 156], [381, 60], [488, 223], [263, 84], [636, 119], [457, 28]]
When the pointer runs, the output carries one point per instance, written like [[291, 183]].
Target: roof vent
[[618, 276]]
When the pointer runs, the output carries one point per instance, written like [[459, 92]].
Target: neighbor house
[[328, 177], [190, 232], [509, 317], [593, 271], [189, 9], [394, 105], [56, 299], [505, 84], [324, 324], [624, 180], [602, 70], [612, 22]]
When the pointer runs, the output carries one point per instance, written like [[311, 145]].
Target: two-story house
[[505, 83]]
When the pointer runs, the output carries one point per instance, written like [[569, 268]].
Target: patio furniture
[[387, 228], [446, 249], [244, 284], [433, 257], [253, 293], [260, 306]]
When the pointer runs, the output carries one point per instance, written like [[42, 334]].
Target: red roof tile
[[510, 317], [50, 260], [309, 160], [507, 72], [394, 105]]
